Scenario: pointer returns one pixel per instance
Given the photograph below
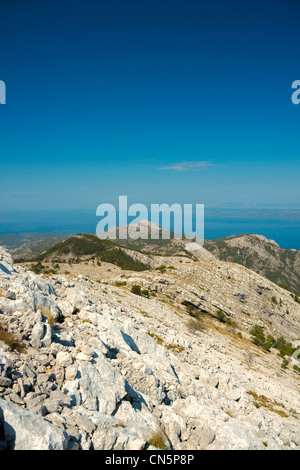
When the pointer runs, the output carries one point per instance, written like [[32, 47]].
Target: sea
[[282, 226]]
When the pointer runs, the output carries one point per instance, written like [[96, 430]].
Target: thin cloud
[[187, 166]]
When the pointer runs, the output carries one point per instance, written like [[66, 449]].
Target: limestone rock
[[25, 430]]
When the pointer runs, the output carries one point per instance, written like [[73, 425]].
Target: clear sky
[[163, 101]]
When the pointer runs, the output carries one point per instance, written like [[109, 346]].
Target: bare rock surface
[[95, 366]]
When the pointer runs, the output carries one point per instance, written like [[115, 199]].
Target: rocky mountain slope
[[162, 358], [29, 245], [255, 252], [84, 248], [262, 255]]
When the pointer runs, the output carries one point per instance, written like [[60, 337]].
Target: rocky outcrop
[[25, 430], [97, 367], [262, 255]]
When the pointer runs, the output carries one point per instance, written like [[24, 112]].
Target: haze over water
[[283, 226]]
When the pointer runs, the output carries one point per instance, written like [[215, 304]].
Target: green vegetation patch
[[258, 337], [84, 245]]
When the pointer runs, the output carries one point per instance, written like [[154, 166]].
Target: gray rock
[[61, 398], [3, 443], [36, 405], [25, 430], [64, 359], [126, 365], [5, 382], [204, 436], [234, 435], [136, 444], [71, 372], [101, 386], [16, 399], [83, 422], [38, 333]]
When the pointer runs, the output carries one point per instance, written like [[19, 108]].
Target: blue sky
[[162, 101]]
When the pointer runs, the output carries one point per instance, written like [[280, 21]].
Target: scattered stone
[[5, 382], [25, 430], [119, 367], [64, 359]]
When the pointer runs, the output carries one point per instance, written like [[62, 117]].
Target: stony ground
[[92, 365]]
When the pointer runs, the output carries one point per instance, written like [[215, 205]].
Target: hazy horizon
[[282, 226]]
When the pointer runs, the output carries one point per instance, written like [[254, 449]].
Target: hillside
[[255, 252], [186, 355], [263, 256], [29, 245], [87, 248], [165, 245]]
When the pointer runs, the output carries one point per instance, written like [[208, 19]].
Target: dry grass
[[175, 348], [1, 292], [261, 400], [11, 340], [157, 338], [120, 425], [195, 325], [157, 439], [145, 314], [47, 314]]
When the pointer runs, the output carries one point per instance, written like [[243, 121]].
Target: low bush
[[195, 325], [161, 269], [157, 439], [136, 289], [120, 283], [285, 348], [221, 315], [11, 340], [145, 293]]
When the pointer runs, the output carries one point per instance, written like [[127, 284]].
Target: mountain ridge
[[263, 256], [253, 251]]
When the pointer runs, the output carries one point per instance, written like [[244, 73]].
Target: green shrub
[[145, 293], [230, 322], [246, 313], [271, 340], [120, 283], [285, 348], [193, 311], [284, 364], [258, 335], [37, 268], [296, 298], [161, 269], [221, 315], [136, 289]]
